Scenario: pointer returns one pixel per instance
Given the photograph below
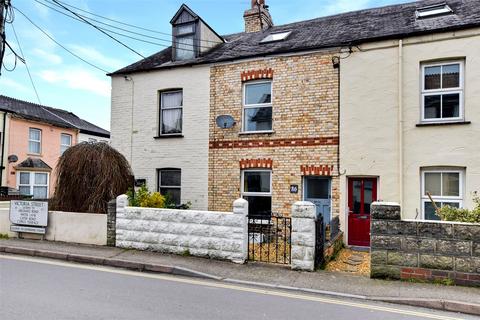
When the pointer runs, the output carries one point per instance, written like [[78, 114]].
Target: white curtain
[[172, 99], [172, 121]]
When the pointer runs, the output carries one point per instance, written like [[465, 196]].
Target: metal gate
[[319, 241], [269, 239]]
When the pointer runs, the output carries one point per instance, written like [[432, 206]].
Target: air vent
[[433, 11]]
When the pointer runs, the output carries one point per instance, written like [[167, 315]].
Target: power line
[[121, 34], [26, 65], [108, 35], [58, 43], [125, 24]]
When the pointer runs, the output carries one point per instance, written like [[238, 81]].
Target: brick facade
[[305, 127]]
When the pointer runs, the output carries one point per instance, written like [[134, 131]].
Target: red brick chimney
[[257, 18]]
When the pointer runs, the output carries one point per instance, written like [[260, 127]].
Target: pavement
[[448, 298], [44, 289]]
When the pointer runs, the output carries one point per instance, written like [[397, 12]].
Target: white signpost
[[28, 216]]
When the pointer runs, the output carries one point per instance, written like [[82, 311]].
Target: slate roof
[[53, 116], [390, 22]]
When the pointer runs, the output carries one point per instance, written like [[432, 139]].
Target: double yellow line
[[219, 285]]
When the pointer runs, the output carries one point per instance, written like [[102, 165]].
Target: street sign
[[16, 228], [29, 213]]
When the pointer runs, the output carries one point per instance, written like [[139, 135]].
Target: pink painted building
[[32, 140]]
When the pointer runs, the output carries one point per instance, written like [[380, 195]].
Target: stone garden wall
[[219, 235], [446, 252]]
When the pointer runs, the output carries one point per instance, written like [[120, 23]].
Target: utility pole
[[3, 5]]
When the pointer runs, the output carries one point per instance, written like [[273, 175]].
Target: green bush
[[144, 198], [448, 213]]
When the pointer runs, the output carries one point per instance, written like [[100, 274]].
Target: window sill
[[444, 123], [169, 136], [256, 132], [35, 154]]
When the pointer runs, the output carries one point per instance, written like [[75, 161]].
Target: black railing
[[269, 239]]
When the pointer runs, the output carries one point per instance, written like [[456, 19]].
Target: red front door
[[361, 193]]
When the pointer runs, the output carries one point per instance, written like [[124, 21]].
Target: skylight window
[[436, 10], [274, 37]]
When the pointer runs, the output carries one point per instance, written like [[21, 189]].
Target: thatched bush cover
[[89, 175]]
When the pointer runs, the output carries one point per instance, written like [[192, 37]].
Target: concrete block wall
[[219, 235], [303, 236], [446, 252]]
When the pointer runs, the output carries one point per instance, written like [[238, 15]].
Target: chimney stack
[[257, 18]]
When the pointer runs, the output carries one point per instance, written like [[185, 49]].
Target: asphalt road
[[45, 289]]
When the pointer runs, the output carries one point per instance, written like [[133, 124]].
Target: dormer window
[[274, 37], [435, 10], [184, 36]]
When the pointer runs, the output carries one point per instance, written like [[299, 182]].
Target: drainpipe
[[3, 148], [400, 120]]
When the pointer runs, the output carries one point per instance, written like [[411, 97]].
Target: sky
[[65, 82]]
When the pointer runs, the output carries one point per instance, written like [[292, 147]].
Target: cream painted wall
[[137, 143], [369, 117]]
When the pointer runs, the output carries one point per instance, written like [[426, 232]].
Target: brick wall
[[305, 125], [446, 252]]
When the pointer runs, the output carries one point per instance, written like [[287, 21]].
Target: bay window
[[445, 187], [257, 190], [257, 107], [33, 184], [442, 91], [171, 112]]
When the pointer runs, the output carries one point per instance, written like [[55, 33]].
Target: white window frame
[[441, 92], [169, 108], [253, 106], [441, 199], [37, 141], [159, 180], [64, 145], [32, 181]]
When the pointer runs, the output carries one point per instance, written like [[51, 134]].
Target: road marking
[[228, 286]]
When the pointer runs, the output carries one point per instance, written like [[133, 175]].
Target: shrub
[[448, 213], [144, 198]]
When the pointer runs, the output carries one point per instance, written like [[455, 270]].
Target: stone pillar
[[240, 206], [122, 203], [111, 222], [303, 236]]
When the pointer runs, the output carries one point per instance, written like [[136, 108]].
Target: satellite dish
[[225, 121], [12, 158]]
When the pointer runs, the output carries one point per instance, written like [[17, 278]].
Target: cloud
[[12, 84], [47, 56], [95, 56], [79, 79], [41, 10]]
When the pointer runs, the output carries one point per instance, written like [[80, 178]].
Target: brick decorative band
[[322, 170], [257, 74], [274, 143], [256, 163], [460, 278]]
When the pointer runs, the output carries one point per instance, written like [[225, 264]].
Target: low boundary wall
[[219, 235], [444, 252]]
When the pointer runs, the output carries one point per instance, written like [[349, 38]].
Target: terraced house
[[335, 110]]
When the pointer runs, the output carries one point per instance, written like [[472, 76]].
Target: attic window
[[436, 10], [274, 37]]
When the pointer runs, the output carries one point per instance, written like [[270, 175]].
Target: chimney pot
[[257, 18]]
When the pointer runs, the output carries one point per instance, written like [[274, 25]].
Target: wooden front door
[[361, 193]]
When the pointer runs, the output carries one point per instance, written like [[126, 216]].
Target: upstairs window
[[257, 108], [65, 142], [445, 188], [432, 11], [170, 184], [274, 37], [184, 41], [442, 91], [171, 112], [34, 141]]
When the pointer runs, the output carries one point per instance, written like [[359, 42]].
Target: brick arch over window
[[321, 170], [257, 74], [256, 163]]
